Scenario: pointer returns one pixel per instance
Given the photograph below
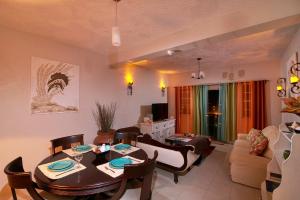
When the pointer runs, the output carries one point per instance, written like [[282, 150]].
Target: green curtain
[[227, 107], [200, 93], [222, 109], [196, 107]]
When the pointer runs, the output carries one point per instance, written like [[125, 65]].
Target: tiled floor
[[208, 181]]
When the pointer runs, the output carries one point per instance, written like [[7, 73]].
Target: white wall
[[291, 50], [27, 135], [260, 71]]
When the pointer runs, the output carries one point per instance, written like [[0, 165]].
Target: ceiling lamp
[[116, 38], [200, 74]]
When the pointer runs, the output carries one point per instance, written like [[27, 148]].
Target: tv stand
[[159, 130]]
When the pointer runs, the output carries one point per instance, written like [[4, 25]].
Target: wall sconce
[[294, 79], [281, 87], [129, 88], [163, 90], [163, 87]]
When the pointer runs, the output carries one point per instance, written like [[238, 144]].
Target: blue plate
[[61, 165], [81, 148], [122, 146], [119, 163]]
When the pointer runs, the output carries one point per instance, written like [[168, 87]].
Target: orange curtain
[[251, 109], [184, 109], [259, 105]]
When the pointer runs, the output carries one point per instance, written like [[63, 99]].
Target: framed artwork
[[54, 86]]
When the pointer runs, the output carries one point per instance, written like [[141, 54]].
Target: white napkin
[[57, 175], [71, 153], [116, 172], [125, 151]]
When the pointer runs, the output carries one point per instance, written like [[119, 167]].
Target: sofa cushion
[[242, 136], [241, 157], [252, 134], [258, 144], [271, 132], [242, 144]]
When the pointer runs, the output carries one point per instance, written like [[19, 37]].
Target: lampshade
[[279, 87], [294, 79], [116, 39], [201, 75]]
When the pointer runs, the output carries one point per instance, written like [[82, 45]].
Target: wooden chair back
[[144, 171], [19, 179], [66, 142], [127, 135]]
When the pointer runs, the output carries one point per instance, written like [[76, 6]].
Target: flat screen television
[[159, 111]]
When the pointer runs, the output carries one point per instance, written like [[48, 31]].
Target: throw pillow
[[258, 146], [253, 133]]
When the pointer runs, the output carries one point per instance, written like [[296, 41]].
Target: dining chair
[[127, 135], [144, 171], [66, 142], [19, 179]]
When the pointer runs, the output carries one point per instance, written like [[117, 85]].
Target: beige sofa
[[249, 169]]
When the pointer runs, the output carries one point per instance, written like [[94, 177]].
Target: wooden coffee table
[[179, 139]]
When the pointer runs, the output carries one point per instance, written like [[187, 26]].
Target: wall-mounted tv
[[159, 111]]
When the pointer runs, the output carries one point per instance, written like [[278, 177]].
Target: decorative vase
[[104, 137]]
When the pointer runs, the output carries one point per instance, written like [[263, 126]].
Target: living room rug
[[208, 151]]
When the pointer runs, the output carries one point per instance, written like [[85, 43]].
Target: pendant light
[[200, 74], [116, 38]]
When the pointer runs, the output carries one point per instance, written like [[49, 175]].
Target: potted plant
[[104, 116]]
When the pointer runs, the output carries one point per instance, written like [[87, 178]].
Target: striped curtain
[[200, 109], [227, 108], [251, 106], [184, 109]]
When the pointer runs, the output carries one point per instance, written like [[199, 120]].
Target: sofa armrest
[[248, 159], [242, 136]]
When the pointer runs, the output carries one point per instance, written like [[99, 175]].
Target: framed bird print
[[54, 86]]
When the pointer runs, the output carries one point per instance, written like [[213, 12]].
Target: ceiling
[[222, 52], [151, 26]]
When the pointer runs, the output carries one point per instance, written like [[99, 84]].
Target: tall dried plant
[[104, 116]]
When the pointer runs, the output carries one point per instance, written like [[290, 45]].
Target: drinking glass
[[78, 157], [73, 147], [110, 141]]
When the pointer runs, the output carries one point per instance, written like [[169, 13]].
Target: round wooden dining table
[[85, 182]]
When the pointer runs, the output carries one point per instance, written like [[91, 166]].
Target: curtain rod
[[213, 84]]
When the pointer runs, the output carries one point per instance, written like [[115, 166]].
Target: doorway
[[212, 113]]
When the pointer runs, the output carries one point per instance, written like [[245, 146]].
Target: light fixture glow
[[162, 86], [128, 78], [139, 62], [129, 83], [294, 79], [279, 87]]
